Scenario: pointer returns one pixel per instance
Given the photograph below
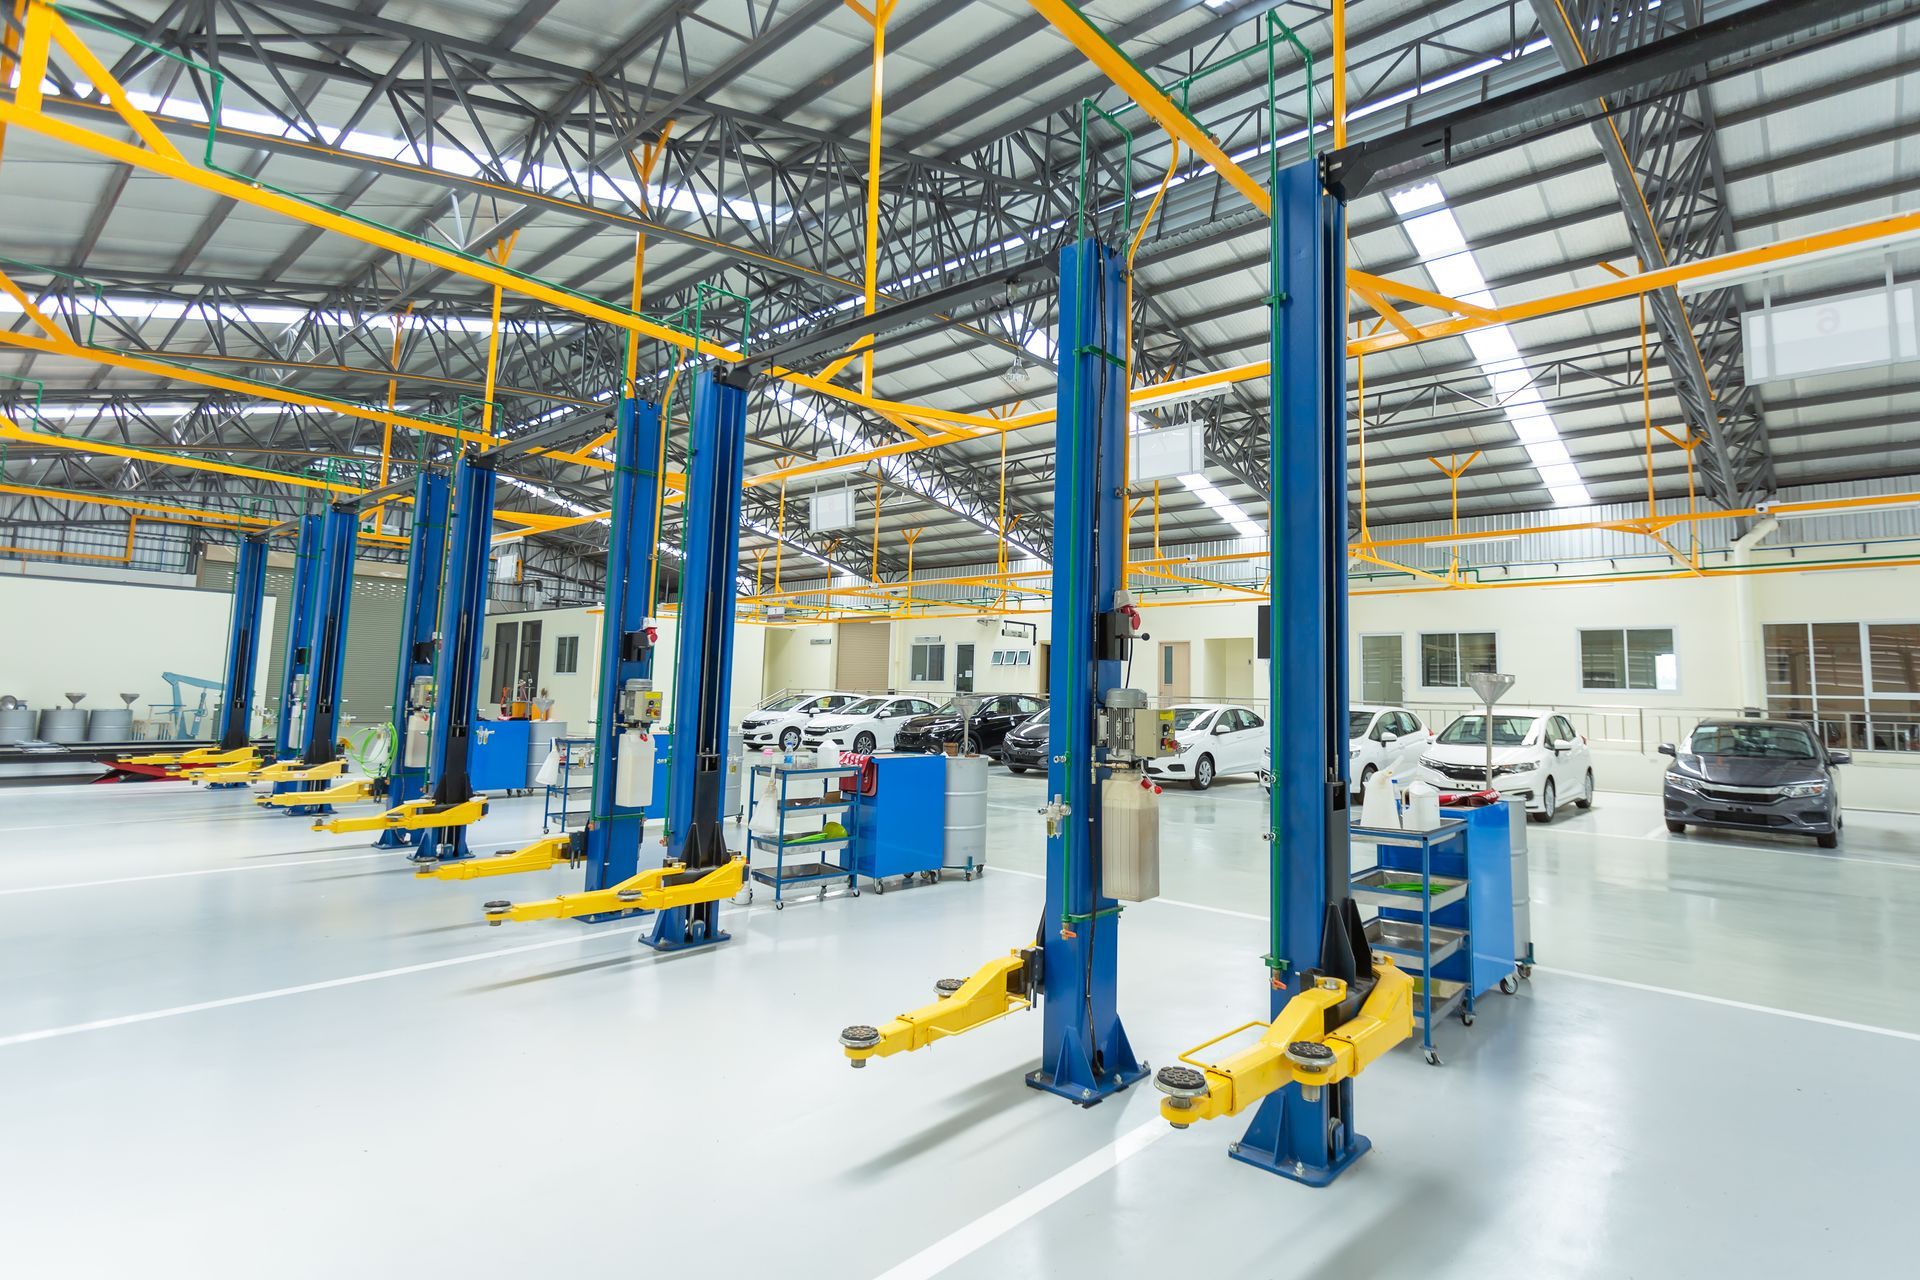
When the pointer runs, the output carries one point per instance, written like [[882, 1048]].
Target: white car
[[1383, 739], [866, 726], [1536, 756], [1214, 740], [782, 722]]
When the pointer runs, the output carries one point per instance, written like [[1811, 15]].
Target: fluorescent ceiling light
[[1450, 263], [1221, 505]]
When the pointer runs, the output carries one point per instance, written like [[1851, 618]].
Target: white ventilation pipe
[[1753, 687]]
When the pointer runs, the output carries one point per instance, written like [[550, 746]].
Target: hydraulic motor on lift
[[638, 708], [297, 709], [419, 722], [1130, 733]]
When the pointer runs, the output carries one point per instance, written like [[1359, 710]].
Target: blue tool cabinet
[[901, 829], [498, 759]]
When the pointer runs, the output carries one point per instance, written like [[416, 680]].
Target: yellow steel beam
[[1120, 69]]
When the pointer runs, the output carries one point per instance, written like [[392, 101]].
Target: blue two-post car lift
[[413, 691]]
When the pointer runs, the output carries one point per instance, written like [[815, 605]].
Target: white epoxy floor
[[230, 1046]]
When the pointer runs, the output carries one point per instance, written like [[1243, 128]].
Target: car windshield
[[1185, 718], [1752, 741], [822, 703], [1508, 731], [949, 709], [864, 707], [1357, 722], [788, 703], [1037, 722]]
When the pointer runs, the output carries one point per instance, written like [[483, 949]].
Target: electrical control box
[[640, 703]]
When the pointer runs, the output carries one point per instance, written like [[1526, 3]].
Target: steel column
[[1310, 1142], [1084, 1054], [626, 648], [294, 670], [456, 673], [426, 562], [703, 661], [243, 644]]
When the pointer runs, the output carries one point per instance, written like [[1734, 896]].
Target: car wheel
[[1678, 828], [863, 744], [1548, 803], [1585, 799], [1016, 768], [790, 740], [1831, 840], [1202, 773], [1366, 776]]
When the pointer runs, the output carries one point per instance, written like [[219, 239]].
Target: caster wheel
[[1433, 1059], [821, 896], [1466, 1019], [856, 893], [1526, 971], [1510, 983], [879, 886], [779, 905], [969, 877]]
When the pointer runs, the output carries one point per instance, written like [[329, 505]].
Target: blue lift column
[[243, 644], [327, 651], [456, 678], [1085, 1055], [413, 699], [299, 655], [703, 663], [627, 704], [1316, 925]]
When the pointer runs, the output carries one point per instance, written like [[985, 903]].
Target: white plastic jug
[[1423, 807], [1378, 809]]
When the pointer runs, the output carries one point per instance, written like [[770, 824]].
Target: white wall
[[107, 638], [574, 694], [984, 634], [796, 657]]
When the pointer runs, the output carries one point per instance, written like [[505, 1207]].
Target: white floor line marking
[[993, 1224], [1660, 835], [154, 1015], [205, 871], [1868, 1027], [1171, 902]]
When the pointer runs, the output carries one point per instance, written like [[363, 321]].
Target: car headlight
[[1428, 762], [1682, 781], [1524, 767], [1800, 790]]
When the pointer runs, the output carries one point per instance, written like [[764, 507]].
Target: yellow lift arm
[[543, 854], [339, 793], [996, 989], [656, 889], [1297, 1048], [411, 816], [239, 757], [280, 771]]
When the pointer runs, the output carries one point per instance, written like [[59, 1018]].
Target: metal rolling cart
[[825, 860], [1410, 895], [575, 779]]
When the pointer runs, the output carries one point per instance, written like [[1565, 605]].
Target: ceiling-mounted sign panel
[[1163, 453], [830, 509]]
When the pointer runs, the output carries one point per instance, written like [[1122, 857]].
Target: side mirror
[[1666, 749], [1839, 757], [1388, 739], [1221, 728], [1564, 744]]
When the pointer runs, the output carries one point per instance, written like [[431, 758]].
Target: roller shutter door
[[860, 656]]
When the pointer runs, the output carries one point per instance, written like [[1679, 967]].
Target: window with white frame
[[1447, 658], [1859, 682], [1629, 658], [1382, 670], [928, 663], [566, 655]]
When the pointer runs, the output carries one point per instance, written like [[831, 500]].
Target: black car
[[1026, 747], [1756, 775], [997, 716]]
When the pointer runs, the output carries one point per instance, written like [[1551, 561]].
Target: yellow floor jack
[[411, 816], [568, 849], [996, 989], [657, 889], [1298, 1047]]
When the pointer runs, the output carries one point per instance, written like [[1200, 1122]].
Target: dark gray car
[[1756, 775]]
